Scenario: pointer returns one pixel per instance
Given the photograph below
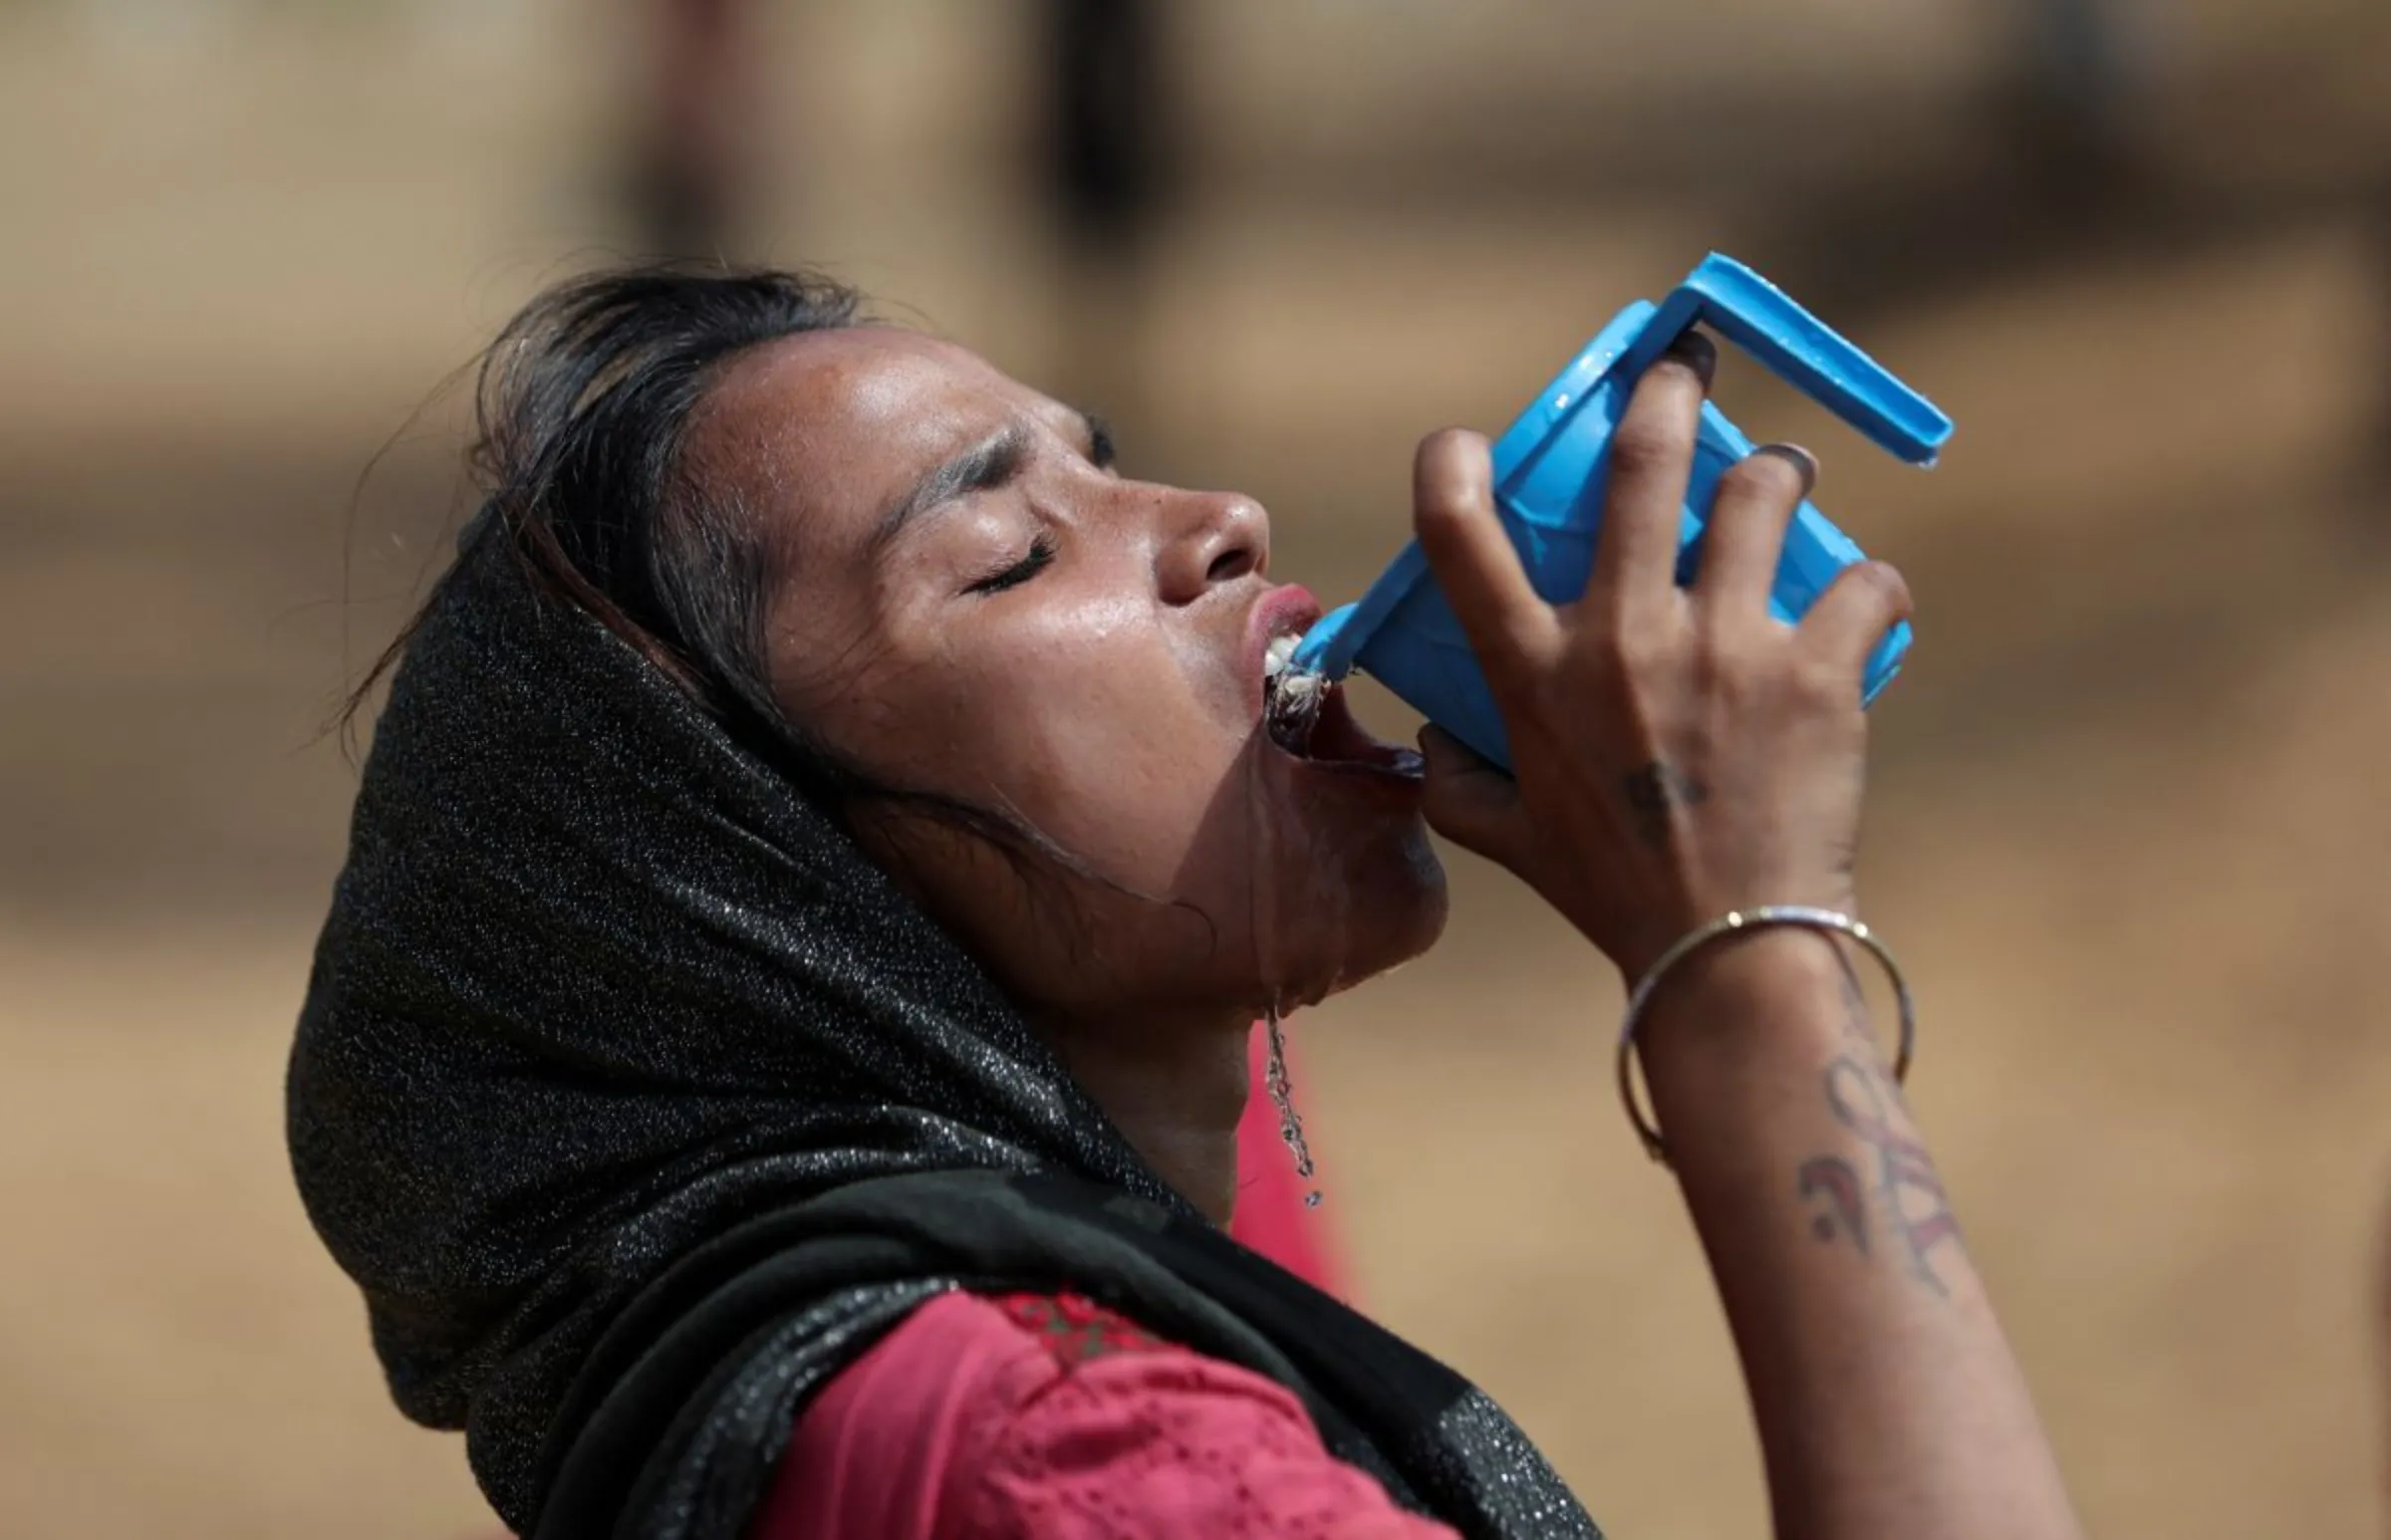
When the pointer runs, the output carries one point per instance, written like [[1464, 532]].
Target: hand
[[1677, 752]]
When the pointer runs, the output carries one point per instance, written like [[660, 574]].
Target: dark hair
[[581, 411], [581, 408]]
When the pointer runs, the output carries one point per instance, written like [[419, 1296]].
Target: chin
[[1407, 902], [1395, 908]]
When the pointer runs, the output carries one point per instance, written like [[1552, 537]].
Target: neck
[[1177, 1090]]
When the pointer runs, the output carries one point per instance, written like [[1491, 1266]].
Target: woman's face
[[970, 602]]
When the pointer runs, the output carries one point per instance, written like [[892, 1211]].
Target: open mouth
[[1305, 716]]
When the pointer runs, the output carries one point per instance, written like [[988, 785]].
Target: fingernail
[[1802, 459], [1697, 353]]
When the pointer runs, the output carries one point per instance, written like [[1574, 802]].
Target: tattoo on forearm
[[1846, 1209], [1654, 792], [1855, 1000], [1901, 1186], [1914, 1209]]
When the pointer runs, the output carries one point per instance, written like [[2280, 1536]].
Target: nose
[[1210, 539]]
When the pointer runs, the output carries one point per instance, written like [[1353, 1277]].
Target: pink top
[[1271, 1215], [1050, 1419]]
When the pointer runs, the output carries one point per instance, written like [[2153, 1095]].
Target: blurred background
[[2129, 828]]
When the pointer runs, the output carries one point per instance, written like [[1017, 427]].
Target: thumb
[[1469, 800]]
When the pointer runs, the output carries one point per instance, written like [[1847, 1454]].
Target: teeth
[[1274, 662], [1293, 708]]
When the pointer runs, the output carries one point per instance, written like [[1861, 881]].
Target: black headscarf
[[636, 1100]]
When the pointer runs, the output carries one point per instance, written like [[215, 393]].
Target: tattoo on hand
[[1657, 790]]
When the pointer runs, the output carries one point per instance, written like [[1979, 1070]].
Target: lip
[[1291, 610], [1287, 610]]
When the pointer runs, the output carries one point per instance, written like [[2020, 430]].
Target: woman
[[774, 1059]]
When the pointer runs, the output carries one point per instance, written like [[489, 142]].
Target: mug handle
[[1761, 319]]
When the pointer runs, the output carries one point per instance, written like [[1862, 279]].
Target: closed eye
[[1039, 557]]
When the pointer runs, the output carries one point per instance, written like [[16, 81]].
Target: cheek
[[1098, 736], [1127, 773]]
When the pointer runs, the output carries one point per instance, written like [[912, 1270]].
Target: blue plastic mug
[[1550, 469]]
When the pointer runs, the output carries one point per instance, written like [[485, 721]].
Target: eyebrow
[[991, 463], [986, 466]]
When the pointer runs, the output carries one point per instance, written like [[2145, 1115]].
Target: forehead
[[859, 394], [865, 371], [826, 428]]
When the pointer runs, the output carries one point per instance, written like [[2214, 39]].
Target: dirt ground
[[2129, 828]]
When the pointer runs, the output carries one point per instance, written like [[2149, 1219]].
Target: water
[[1288, 709], [1283, 1097]]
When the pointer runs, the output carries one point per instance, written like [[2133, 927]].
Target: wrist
[[1660, 933], [1780, 996]]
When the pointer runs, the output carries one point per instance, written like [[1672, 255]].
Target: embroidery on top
[[1075, 1327]]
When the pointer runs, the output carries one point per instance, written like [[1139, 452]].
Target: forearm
[[1887, 1399]]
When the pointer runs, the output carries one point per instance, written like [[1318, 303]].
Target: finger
[[1866, 600], [1745, 536], [1652, 460], [1453, 513], [1469, 800]]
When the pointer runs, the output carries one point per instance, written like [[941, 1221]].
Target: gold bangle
[[1730, 923]]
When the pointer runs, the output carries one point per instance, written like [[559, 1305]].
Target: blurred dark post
[[1108, 169], [2086, 100], [2378, 212], [687, 172], [1104, 131]]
